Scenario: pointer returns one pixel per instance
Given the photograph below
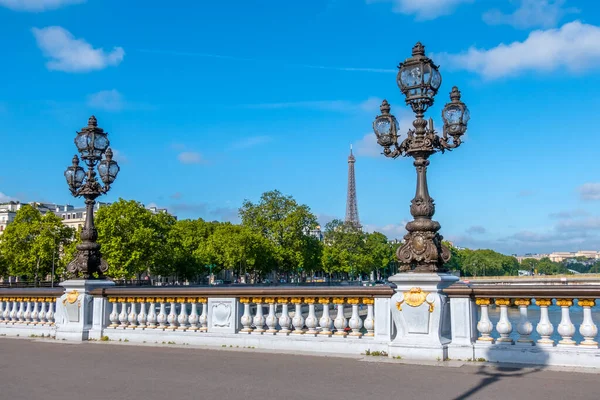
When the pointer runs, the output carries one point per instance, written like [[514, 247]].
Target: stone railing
[[28, 312], [355, 319], [533, 324]]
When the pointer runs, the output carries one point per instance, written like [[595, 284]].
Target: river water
[[554, 313]]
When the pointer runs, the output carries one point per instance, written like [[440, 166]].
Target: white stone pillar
[[544, 328], [325, 320], [588, 329], [204, 316], [355, 322], [484, 326], [370, 319], [123, 316], [6, 312], [284, 320], [132, 316], [298, 320], [340, 322], [35, 314], [151, 319], [51, 307], [183, 316], [504, 327], [142, 318], [172, 317], [2, 300], [161, 318], [566, 328], [27, 314], [21, 312], [524, 327], [311, 319], [193, 318], [114, 315], [246, 319], [271, 320], [15, 310], [259, 319], [42, 314]]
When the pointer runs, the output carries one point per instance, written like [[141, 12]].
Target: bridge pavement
[[31, 370]]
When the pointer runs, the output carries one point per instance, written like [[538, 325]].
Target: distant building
[[560, 256], [316, 233], [73, 217]]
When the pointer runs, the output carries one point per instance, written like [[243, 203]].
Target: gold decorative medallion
[[503, 302], [72, 296], [368, 300], [353, 300], [482, 301], [324, 300], [309, 300], [564, 302], [283, 300], [270, 300], [338, 300], [522, 302], [296, 300], [414, 298], [543, 302], [244, 300], [587, 302]]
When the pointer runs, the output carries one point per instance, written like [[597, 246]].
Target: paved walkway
[[32, 370]]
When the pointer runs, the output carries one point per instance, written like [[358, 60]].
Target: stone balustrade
[[523, 330], [28, 311]]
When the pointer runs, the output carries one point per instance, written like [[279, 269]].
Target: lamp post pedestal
[[79, 316], [421, 314]]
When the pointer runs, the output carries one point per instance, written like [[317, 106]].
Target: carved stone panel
[[222, 315]]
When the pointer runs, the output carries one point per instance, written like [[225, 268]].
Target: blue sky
[[211, 103]]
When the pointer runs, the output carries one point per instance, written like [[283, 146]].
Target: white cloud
[[4, 198], [589, 191], [574, 47], [108, 100], [531, 13], [392, 231], [68, 54], [190, 157], [368, 146], [37, 5], [423, 9]]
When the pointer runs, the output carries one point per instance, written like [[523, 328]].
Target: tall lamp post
[[419, 80], [92, 144]]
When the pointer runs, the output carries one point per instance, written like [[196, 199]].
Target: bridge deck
[[51, 371]]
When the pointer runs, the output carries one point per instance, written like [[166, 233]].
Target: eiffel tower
[[351, 205]]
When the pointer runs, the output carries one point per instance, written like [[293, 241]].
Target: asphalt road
[[31, 370]]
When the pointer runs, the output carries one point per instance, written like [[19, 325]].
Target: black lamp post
[[92, 143], [419, 80]]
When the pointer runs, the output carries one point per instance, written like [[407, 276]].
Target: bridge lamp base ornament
[[419, 80]]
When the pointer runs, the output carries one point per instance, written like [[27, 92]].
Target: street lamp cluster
[[419, 80], [92, 143]]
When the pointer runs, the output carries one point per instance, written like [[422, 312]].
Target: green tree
[[548, 267], [345, 249], [380, 252], [134, 241], [31, 244], [285, 223]]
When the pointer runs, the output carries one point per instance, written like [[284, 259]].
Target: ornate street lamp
[[92, 143], [419, 80]]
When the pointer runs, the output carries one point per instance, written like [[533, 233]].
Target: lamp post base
[[78, 314]]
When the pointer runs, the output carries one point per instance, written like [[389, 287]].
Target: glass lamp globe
[[419, 79], [385, 126], [75, 174], [92, 141], [455, 115], [108, 169]]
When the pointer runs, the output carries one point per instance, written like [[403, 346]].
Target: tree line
[[273, 241]]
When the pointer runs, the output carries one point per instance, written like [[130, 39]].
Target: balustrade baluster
[[172, 317], [161, 318], [35, 314], [247, 317], [544, 328], [193, 317], [271, 320], [152, 317], [50, 314], [284, 320], [524, 327], [325, 320], [588, 329], [2, 300], [566, 328], [311, 320], [504, 327], [204, 316], [355, 322], [27, 313], [259, 319], [484, 326], [340, 322], [21, 312], [15, 310], [370, 320], [123, 315], [7, 308], [183, 316], [298, 320], [132, 316], [142, 317], [114, 315], [42, 314]]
